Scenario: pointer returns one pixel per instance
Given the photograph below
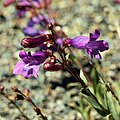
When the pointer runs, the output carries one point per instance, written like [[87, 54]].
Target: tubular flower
[[41, 21], [32, 32], [22, 6], [36, 3], [35, 41], [30, 64], [90, 44], [8, 2], [116, 1]]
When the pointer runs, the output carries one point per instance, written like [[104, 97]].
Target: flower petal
[[95, 35], [98, 45], [94, 53], [39, 56], [18, 68], [79, 42], [27, 71], [103, 45], [30, 31], [35, 70], [22, 54]]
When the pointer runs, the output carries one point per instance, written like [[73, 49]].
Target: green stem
[[72, 70], [107, 86]]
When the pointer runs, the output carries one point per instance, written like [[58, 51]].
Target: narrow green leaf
[[111, 106], [95, 78], [83, 76], [67, 56], [101, 94], [99, 108]]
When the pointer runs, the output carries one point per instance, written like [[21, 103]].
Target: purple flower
[[41, 22], [35, 41], [30, 31], [116, 1], [8, 2], [24, 3], [42, 3], [90, 44], [36, 3], [30, 64], [20, 13]]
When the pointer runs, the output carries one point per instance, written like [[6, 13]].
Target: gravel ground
[[57, 93]]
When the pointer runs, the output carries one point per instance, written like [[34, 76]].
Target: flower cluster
[[22, 6], [30, 63], [90, 44], [57, 41], [39, 20]]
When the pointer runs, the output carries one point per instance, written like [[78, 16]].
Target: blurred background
[[57, 93]]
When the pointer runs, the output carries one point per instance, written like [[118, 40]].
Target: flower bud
[[52, 66], [52, 59], [8, 2], [48, 52], [35, 41], [1, 88], [66, 42], [26, 92], [50, 26], [15, 89]]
